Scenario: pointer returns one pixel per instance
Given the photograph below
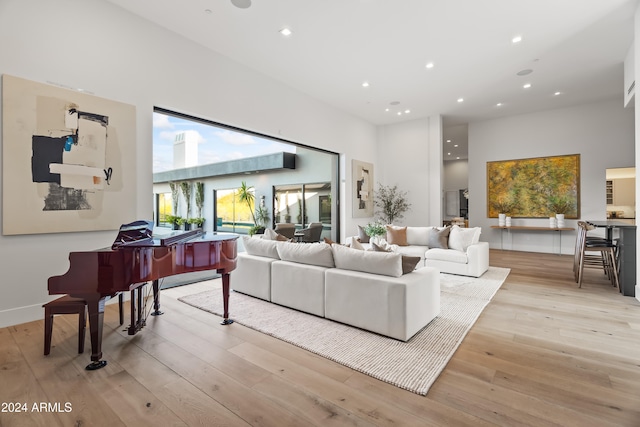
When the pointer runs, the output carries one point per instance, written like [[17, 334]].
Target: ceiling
[[574, 47]]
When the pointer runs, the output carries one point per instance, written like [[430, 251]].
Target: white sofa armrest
[[478, 256]]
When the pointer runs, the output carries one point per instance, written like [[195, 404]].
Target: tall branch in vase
[[390, 203], [175, 197], [185, 186]]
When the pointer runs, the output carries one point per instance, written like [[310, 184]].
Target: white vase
[[560, 220], [552, 222], [508, 221], [502, 219]]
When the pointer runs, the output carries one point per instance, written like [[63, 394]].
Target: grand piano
[[135, 258]]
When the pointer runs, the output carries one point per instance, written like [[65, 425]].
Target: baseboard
[[30, 313], [16, 316]]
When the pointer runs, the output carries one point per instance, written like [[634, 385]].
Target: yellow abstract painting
[[535, 187]]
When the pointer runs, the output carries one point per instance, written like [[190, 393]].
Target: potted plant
[[375, 230], [173, 220], [559, 205], [179, 222], [504, 207], [197, 222], [390, 203]]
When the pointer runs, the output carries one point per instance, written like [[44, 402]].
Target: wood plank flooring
[[543, 353]]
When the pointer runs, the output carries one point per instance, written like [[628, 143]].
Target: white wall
[[97, 46], [602, 133], [412, 153]]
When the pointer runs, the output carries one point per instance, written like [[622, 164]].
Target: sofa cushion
[[413, 250], [364, 237], [447, 255], [461, 238], [438, 238], [307, 253], [384, 263], [397, 235], [418, 236], [261, 247]]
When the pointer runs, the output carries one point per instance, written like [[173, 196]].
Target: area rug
[[412, 365]]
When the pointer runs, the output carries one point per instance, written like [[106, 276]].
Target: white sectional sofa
[[369, 290], [453, 250]]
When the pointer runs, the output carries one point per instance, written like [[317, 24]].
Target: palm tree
[[245, 194]]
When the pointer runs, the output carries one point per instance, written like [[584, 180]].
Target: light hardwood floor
[[543, 353]]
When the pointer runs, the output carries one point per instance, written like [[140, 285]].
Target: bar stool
[[594, 253], [70, 305]]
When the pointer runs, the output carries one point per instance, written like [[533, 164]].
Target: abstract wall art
[[68, 160], [362, 194], [534, 188]]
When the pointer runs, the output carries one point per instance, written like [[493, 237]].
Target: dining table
[[626, 244]]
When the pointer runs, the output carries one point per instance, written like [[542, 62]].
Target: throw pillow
[[261, 247], [364, 238], [461, 238], [355, 244], [384, 263], [307, 253], [409, 263], [397, 235], [377, 248], [438, 238], [269, 234]]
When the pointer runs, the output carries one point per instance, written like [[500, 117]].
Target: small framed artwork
[[362, 192]]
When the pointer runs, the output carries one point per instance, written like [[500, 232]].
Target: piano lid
[[135, 232]]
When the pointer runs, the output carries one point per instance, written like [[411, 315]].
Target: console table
[[531, 228]]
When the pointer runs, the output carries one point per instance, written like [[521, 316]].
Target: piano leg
[[95, 307], [225, 298], [156, 299]]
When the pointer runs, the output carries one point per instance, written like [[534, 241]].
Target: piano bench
[[64, 305]]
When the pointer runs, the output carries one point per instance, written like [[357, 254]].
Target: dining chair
[[286, 229], [312, 233]]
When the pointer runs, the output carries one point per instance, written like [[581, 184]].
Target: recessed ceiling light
[[448, 140], [242, 4], [557, 93], [455, 145], [527, 85], [386, 109], [365, 84], [457, 158], [448, 154], [516, 39], [285, 32], [499, 104], [524, 72], [460, 99], [429, 65], [399, 113], [407, 111]]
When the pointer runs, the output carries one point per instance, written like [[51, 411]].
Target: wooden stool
[[64, 305]]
